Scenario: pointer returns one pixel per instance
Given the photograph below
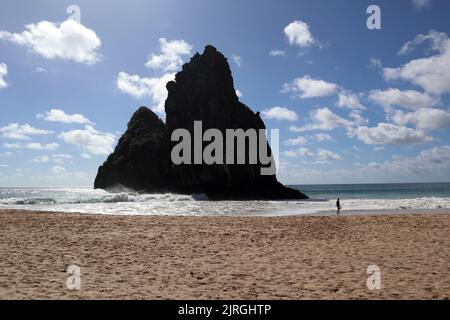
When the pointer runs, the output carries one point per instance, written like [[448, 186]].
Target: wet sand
[[155, 257]]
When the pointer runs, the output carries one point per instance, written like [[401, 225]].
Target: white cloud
[[155, 87], [437, 39], [358, 119], [305, 152], [39, 146], [138, 87], [375, 63], [68, 40], [323, 119], [327, 155], [239, 93], [298, 34], [21, 132], [349, 100], [90, 140], [40, 70], [42, 159], [429, 164], [409, 99], [12, 145], [237, 60], [387, 133], [171, 58], [280, 113], [320, 156], [3, 74], [307, 87], [290, 154], [296, 141], [301, 152], [34, 146], [419, 4], [277, 53], [58, 170], [61, 157], [86, 155], [323, 137], [432, 73], [57, 115], [426, 118], [7, 154], [302, 140]]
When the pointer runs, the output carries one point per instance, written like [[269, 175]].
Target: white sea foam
[[86, 200]]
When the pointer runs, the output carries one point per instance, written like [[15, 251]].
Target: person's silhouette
[[338, 206]]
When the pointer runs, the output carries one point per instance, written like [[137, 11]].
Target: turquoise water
[[376, 191]]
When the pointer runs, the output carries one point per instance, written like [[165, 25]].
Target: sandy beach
[[156, 257]]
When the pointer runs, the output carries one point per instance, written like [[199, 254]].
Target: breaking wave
[[128, 202]]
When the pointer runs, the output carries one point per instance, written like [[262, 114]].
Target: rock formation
[[202, 91]]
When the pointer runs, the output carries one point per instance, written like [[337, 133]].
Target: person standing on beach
[[338, 206]]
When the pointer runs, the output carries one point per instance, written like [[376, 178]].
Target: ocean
[[355, 199]]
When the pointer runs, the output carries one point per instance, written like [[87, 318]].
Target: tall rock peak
[[202, 91]]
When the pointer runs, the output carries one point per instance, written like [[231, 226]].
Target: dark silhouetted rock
[[141, 157], [202, 91]]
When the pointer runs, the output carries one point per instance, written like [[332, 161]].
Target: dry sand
[[149, 257]]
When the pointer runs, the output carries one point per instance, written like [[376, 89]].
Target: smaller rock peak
[[145, 114], [142, 112], [209, 49], [142, 109]]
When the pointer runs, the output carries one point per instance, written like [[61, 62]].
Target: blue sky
[[353, 105]]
